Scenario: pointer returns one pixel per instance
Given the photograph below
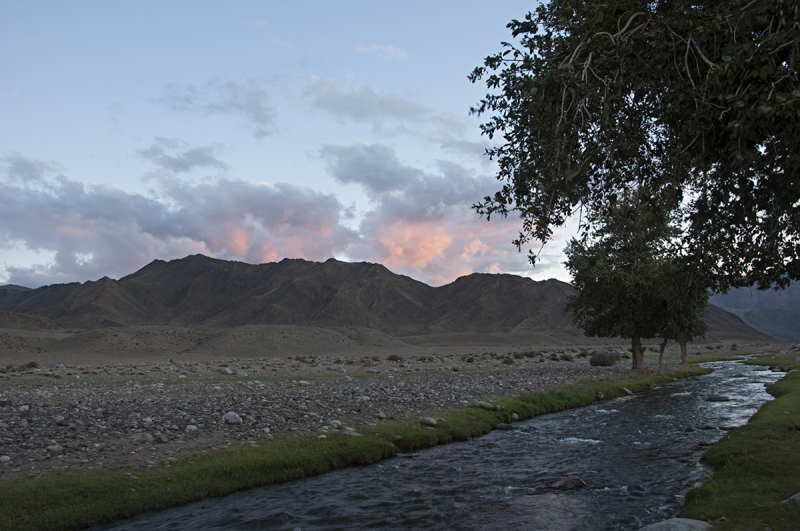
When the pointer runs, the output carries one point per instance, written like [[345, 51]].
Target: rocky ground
[[61, 417]]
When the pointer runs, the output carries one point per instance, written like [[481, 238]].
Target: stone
[[143, 438], [381, 415], [231, 417], [227, 371], [60, 420], [160, 438], [564, 484], [322, 436], [484, 405], [600, 395], [678, 524], [191, 428], [504, 426], [429, 421], [792, 499], [718, 398], [627, 391], [335, 424], [55, 449], [351, 432], [514, 417], [339, 368], [241, 373], [5, 402], [4, 459], [303, 383]]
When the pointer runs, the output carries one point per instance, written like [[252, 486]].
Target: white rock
[[792, 499], [303, 383], [484, 405], [351, 432], [55, 449], [191, 427], [226, 370], [322, 437], [678, 524], [4, 459], [231, 417], [429, 421], [241, 373], [335, 424], [514, 416]]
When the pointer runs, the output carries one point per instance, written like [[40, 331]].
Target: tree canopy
[[632, 278], [700, 100]]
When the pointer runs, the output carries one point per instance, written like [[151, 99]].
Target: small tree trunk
[[661, 356], [637, 355], [684, 354]]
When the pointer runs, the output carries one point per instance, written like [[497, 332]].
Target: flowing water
[[639, 455]]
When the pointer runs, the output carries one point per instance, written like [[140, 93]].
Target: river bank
[[77, 498], [756, 467]]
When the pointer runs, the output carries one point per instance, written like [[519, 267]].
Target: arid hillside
[[208, 294]]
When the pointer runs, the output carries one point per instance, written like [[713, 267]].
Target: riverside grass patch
[[758, 465], [78, 499]]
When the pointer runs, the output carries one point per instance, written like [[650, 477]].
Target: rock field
[[66, 417]]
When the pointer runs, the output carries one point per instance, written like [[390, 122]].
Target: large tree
[[707, 93], [632, 278]]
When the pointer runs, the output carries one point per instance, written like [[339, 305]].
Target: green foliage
[[632, 279], [701, 100], [603, 359]]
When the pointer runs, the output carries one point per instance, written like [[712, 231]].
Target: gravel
[[50, 424]]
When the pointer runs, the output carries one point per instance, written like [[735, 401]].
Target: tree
[[631, 279], [708, 92]]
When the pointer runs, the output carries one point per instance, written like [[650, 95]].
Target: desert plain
[[138, 396]]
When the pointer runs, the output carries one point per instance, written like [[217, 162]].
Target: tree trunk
[[637, 355], [684, 354], [661, 348]]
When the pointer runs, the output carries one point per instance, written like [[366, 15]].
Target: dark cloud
[[365, 104], [176, 156], [374, 166], [248, 100], [20, 168], [100, 230]]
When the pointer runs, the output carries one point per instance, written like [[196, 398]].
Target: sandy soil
[[138, 396]]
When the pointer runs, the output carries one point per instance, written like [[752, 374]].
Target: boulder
[[231, 417], [429, 421], [678, 524]]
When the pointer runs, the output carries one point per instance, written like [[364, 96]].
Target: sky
[[250, 131]]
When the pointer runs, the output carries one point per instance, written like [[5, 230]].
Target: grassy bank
[[82, 498], [758, 465]]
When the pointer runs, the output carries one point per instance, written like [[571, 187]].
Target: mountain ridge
[[208, 293]]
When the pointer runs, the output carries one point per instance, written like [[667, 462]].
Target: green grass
[[72, 500], [757, 465]]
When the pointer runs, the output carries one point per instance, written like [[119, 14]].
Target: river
[[638, 455]]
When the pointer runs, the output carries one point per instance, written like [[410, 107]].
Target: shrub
[[395, 357], [603, 359], [508, 361], [583, 354], [566, 357], [471, 359]]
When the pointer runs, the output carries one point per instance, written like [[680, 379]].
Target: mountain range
[[206, 293]]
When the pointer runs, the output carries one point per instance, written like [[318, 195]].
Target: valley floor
[[137, 414]]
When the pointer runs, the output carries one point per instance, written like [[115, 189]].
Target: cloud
[[20, 168], [247, 99], [421, 223], [177, 156], [98, 230], [386, 52], [378, 108]]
